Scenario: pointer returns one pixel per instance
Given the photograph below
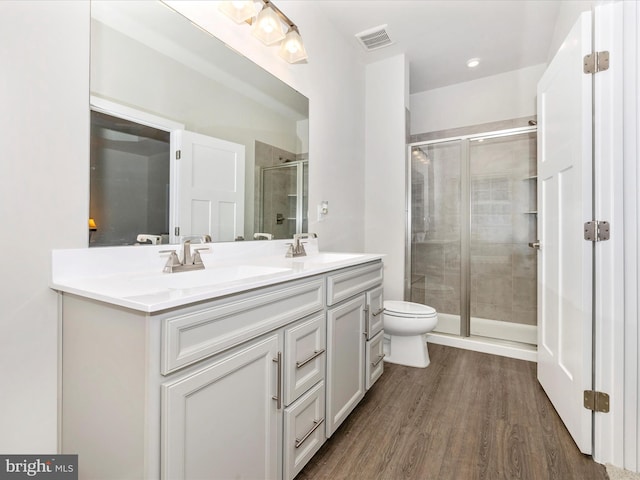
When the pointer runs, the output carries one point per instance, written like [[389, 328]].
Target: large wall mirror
[[162, 88]]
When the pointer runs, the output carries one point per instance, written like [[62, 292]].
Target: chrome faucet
[[190, 261], [296, 249]]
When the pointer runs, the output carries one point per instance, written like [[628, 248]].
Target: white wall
[[568, 13], [44, 175], [44, 188], [385, 148], [490, 99]]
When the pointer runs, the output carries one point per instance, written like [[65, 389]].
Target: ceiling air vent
[[374, 38]]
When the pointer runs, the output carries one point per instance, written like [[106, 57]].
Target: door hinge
[[178, 154], [596, 401], [596, 62], [596, 231], [176, 231]]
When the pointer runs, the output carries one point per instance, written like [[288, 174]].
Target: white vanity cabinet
[[192, 392], [348, 321], [243, 385]]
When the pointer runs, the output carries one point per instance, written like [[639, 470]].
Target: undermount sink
[[327, 257], [207, 277]]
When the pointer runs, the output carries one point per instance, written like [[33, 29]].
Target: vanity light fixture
[[268, 26]]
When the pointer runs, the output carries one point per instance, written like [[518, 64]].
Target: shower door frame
[[465, 214]]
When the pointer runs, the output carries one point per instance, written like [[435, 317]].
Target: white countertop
[[132, 277]]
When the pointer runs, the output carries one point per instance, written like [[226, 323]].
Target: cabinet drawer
[[303, 430], [375, 306], [351, 281], [374, 364], [189, 338], [305, 345]]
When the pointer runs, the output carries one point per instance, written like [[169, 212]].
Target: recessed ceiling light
[[473, 62]]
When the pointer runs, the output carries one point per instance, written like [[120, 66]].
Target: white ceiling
[[439, 36]]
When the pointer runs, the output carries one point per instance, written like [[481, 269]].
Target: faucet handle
[[172, 262], [197, 259], [290, 251]]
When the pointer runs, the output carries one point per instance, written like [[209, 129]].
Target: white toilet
[[405, 325]]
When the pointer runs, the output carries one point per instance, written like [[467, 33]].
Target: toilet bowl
[[405, 326]]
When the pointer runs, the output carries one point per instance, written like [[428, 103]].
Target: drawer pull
[[378, 312], [380, 357], [316, 424], [366, 321], [278, 397], [315, 354]]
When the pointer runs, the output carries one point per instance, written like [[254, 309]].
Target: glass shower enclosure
[[472, 214], [284, 199]]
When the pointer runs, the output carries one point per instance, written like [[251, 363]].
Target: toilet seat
[[398, 308]]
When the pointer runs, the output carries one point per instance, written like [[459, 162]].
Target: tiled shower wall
[[502, 222]]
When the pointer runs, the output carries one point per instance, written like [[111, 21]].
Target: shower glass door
[[435, 231], [503, 222], [472, 216]]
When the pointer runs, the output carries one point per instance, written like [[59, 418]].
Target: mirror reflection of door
[[210, 187], [129, 181]]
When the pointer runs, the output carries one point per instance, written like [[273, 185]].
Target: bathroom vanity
[[213, 374]]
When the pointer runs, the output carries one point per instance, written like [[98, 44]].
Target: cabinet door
[[375, 304], [374, 363], [303, 430], [345, 360], [305, 344], [222, 421]]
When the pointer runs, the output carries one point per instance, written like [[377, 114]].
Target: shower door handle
[[535, 244]]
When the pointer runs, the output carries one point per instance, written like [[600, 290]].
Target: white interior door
[[565, 258], [210, 187]]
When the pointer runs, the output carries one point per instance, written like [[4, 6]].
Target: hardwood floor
[[468, 415]]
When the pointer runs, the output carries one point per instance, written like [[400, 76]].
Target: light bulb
[[292, 49], [268, 27]]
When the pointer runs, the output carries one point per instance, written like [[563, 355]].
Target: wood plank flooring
[[468, 415]]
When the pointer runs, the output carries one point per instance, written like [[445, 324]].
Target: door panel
[[222, 421], [565, 258], [436, 232], [210, 187], [345, 360]]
